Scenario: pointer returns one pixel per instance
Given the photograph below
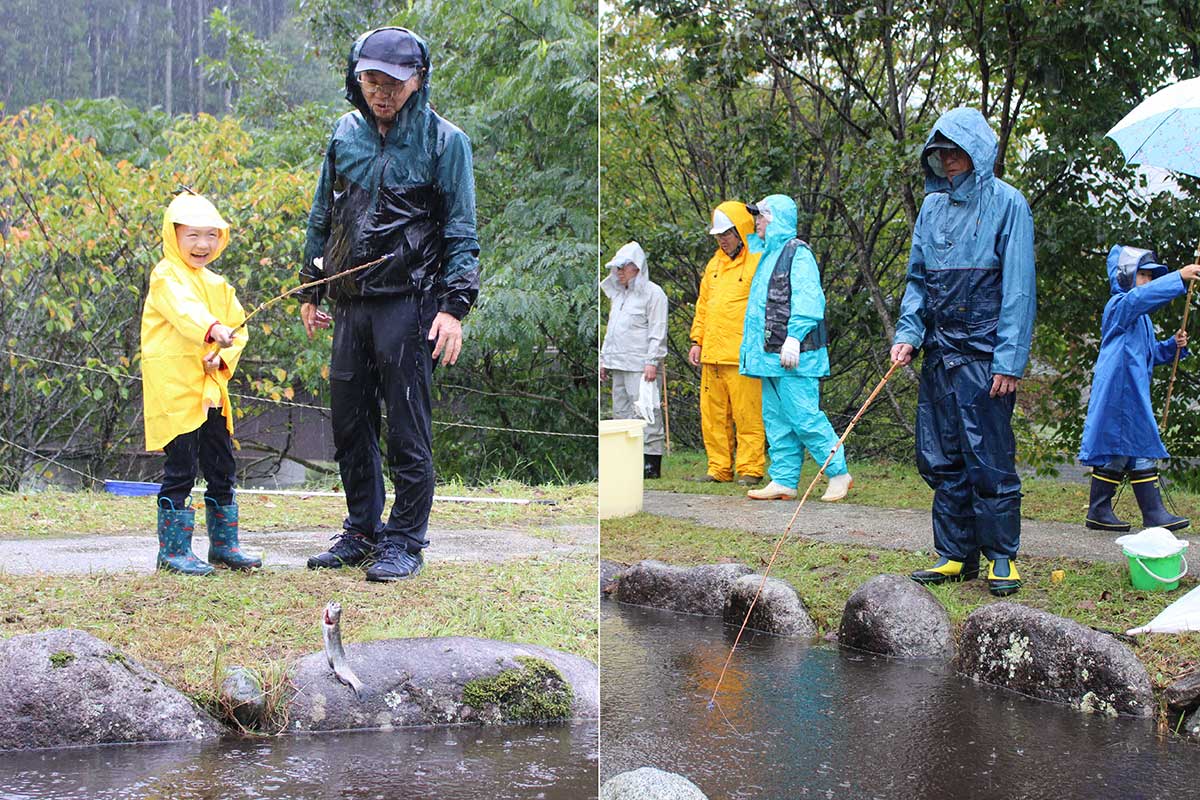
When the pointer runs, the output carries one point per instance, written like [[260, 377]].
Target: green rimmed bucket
[[1156, 574]]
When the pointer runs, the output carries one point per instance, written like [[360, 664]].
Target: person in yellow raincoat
[[190, 347], [728, 401]]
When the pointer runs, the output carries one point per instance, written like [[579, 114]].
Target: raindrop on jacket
[[1120, 420], [410, 193], [181, 306], [636, 335]]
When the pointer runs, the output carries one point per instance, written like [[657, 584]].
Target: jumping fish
[[331, 631]]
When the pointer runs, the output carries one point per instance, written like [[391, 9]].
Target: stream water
[[548, 762], [796, 720]]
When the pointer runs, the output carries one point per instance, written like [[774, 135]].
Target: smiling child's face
[[198, 246]]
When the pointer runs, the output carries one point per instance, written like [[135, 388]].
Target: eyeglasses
[[388, 90]]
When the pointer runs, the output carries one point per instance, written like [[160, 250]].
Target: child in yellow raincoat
[[185, 380]]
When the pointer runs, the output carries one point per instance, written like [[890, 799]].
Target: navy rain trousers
[[966, 452], [380, 353]]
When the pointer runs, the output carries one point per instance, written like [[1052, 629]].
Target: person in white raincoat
[[635, 344]]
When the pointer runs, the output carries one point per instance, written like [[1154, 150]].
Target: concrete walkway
[[282, 549], [892, 528]]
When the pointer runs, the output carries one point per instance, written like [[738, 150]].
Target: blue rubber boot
[[223, 548], [175, 540]]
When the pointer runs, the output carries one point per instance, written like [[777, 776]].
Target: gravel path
[[896, 529], [284, 549]]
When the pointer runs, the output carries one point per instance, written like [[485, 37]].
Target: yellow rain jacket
[[724, 289], [183, 303]]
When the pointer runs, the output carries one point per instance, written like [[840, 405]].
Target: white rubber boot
[[772, 491], [839, 487]]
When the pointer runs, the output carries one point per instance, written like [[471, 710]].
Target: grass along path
[[188, 629], [55, 514], [824, 575], [898, 485]]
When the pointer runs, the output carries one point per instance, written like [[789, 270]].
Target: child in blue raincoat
[[1120, 436]]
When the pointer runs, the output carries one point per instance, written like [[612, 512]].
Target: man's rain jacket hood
[[182, 305], [636, 335], [724, 288], [1120, 420], [802, 309], [972, 290], [409, 194]]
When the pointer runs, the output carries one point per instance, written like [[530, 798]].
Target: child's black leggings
[[209, 445]]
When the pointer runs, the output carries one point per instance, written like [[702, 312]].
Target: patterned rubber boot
[[223, 546], [175, 540]]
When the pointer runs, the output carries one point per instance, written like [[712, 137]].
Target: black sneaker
[[350, 549], [394, 562]]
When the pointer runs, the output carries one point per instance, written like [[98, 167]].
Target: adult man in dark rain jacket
[[396, 181], [970, 303]]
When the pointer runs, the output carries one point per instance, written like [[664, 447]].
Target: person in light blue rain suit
[[969, 304], [783, 343], [1120, 434]]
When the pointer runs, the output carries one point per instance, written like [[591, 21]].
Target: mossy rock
[[536, 691]]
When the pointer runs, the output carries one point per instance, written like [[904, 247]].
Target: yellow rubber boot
[[1002, 577], [947, 570]]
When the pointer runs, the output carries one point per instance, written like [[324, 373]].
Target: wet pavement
[[891, 528], [284, 549]]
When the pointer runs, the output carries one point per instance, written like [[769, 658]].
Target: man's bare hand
[[902, 354], [447, 330], [1003, 384], [650, 373], [603, 374], [313, 318], [694, 355]]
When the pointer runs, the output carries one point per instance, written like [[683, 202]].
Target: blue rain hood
[[1120, 420], [803, 308], [1125, 262], [971, 291]]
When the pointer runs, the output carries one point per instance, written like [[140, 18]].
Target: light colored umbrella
[[1164, 131]]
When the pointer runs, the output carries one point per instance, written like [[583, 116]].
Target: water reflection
[[553, 762], [813, 721]]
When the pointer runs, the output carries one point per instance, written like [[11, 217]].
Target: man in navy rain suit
[[969, 304]]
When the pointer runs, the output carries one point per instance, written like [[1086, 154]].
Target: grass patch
[[898, 485], [185, 628], [825, 574], [54, 514]]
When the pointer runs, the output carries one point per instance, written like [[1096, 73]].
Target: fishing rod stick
[[1187, 305], [666, 406], [779, 544], [301, 288]]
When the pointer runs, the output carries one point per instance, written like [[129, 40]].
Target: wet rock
[[439, 681], [649, 783], [62, 688], [1191, 726], [242, 697], [893, 616], [610, 575], [699, 590], [1051, 658], [1183, 693], [779, 609]]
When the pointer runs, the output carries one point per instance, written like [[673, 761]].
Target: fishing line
[[712, 701]]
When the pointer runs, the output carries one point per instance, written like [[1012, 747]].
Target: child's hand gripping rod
[[301, 288], [712, 700]]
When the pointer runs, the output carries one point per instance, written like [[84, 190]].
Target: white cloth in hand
[[789, 356], [648, 401]]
